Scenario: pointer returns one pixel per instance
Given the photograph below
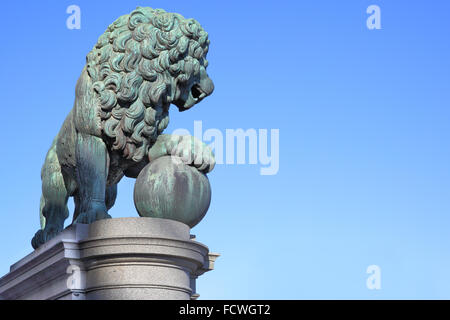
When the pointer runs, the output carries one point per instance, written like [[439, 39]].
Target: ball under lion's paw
[[169, 189]]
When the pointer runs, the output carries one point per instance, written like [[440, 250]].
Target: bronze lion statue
[[144, 62]]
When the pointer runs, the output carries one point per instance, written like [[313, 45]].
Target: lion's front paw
[[90, 216], [193, 152]]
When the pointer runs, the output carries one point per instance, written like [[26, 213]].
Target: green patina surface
[[167, 188], [144, 62]]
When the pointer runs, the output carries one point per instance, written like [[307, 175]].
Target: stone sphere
[[169, 189]]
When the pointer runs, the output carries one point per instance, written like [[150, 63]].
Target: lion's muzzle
[[197, 92]]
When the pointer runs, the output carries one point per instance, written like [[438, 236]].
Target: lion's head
[[145, 61]]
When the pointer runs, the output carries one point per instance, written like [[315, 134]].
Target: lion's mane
[[135, 68]]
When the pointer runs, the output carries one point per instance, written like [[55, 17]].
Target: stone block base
[[124, 258]]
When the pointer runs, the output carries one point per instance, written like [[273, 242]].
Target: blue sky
[[363, 117]]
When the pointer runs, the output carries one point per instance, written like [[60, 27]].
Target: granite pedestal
[[124, 258]]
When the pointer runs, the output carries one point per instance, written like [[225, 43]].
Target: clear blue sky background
[[364, 139]]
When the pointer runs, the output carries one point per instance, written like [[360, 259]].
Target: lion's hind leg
[[53, 208]]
